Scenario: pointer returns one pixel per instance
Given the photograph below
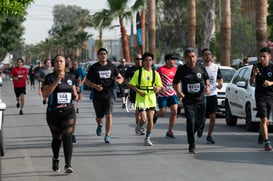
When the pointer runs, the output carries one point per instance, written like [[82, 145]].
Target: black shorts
[[146, 109], [211, 104], [55, 116], [103, 106], [264, 107], [19, 90]]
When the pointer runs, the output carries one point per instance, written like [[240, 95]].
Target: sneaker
[[147, 142], [74, 138], [99, 130], [18, 105], [55, 165], [123, 106], [267, 146], [107, 139], [44, 102], [200, 132], [210, 140], [21, 112], [139, 131], [260, 139], [68, 169], [169, 134], [192, 149]]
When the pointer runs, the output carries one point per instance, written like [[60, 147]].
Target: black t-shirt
[[122, 69], [265, 73], [63, 93], [37, 69], [104, 75], [130, 72], [76, 75], [193, 83]]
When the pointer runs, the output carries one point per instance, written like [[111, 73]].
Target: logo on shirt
[[269, 74], [199, 75], [69, 82], [147, 78], [105, 74]]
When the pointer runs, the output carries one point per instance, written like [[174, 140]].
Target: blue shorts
[[167, 101]]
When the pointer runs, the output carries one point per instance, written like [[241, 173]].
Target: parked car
[[240, 100], [227, 74], [2, 108]]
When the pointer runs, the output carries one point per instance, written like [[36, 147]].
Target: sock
[[148, 134]]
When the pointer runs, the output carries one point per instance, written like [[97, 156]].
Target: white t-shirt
[[212, 71]]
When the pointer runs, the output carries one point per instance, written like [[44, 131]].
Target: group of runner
[[194, 83]]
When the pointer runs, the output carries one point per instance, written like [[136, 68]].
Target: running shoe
[[55, 165], [107, 139], [44, 102], [139, 131], [147, 142], [267, 146], [74, 138], [68, 169], [123, 106], [21, 112], [18, 105], [192, 149], [260, 139], [200, 132], [210, 140], [99, 130], [170, 134]]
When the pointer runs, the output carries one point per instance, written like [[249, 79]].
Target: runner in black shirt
[[195, 82], [262, 73], [128, 76], [59, 88], [101, 77]]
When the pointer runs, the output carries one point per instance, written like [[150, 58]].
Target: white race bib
[[63, 97], [169, 86], [193, 88]]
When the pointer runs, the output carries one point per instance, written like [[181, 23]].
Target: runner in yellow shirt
[[146, 82]]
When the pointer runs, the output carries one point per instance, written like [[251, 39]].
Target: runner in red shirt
[[19, 76], [167, 96]]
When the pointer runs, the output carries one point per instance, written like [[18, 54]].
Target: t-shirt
[[122, 69], [63, 93], [167, 74], [43, 72], [20, 73], [78, 73], [149, 100], [130, 72], [193, 83], [214, 74], [104, 75], [265, 73]]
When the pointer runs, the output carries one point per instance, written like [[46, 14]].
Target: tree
[[261, 25], [14, 8], [119, 9], [191, 23], [225, 32], [151, 28]]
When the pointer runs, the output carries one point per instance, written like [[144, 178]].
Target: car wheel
[[250, 126], [2, 147], [230, 119]]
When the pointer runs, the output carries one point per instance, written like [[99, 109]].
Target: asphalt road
[[235, 156]]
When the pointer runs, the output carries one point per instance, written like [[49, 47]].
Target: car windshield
[[227, 74]]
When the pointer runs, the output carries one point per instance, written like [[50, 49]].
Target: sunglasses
[[138, 58]]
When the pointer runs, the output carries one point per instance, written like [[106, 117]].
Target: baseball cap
[[171, 57]]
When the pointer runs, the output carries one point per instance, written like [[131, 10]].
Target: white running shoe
[[147, 142]]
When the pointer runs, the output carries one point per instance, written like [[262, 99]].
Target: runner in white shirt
[[215, 76]]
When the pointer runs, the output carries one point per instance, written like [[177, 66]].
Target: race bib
[[63, 97], [169, 86], [193, 88], [105, 74]]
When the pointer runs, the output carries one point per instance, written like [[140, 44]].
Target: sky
[[40, 19]]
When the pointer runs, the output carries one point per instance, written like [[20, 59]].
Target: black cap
[[171, 57]]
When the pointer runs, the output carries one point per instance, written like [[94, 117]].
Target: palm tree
[[261, 24], [151, 28], [143, 20], [118, 9], [191, 23], [225, 32]]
